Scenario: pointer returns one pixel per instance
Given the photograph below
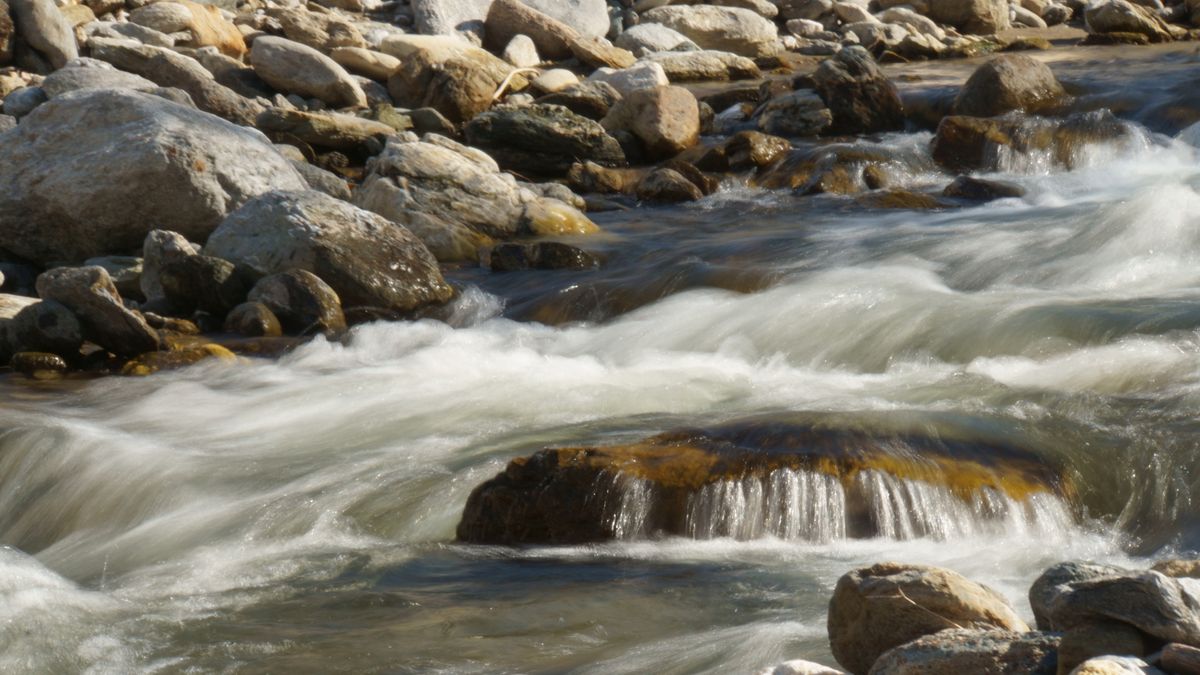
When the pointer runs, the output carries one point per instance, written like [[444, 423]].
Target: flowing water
[[300, 514]]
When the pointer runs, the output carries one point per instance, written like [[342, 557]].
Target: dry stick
[[918, 606], [508, 80]]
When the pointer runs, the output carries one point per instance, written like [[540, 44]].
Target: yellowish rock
[[548, 217]]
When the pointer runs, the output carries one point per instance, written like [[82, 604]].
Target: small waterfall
[[812, 506], [788, 504]]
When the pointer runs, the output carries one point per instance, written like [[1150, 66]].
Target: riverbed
[[299, 514]]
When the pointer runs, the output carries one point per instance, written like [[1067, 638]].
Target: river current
[[299, 514]]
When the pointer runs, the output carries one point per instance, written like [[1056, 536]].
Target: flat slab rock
[[565, 495]]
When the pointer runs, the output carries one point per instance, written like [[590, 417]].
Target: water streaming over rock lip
[[300, 514]]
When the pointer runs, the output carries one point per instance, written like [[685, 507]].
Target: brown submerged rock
[[570, 495], [180, 356], [967, 144], [39, 365]]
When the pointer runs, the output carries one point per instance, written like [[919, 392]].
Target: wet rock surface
[[573, 495]]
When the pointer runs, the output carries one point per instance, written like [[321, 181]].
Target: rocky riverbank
[[179, 179], [1091, 619]]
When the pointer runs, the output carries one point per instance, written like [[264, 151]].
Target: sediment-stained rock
[[677, 484]]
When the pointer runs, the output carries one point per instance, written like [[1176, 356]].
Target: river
[[299, 514]]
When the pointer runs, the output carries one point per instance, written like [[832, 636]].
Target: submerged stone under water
[[771, 476]]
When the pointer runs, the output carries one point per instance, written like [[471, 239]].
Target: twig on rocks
[[508, 80], [903, 596]]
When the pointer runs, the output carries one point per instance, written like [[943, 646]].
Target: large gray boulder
[[92, 172], [367, 260], [294, 68], [876, 608], [91, 296], [1009, 82], [168, 68], [45, 29], [1057, 579], [447, 17], [729, 29], [651, 38], [1158, 605], [665, 119]]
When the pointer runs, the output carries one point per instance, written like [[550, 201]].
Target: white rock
[[299, 69], [648, 38], [521, 52], [641, 75]]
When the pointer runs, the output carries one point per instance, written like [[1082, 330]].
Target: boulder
[[459, 83], [84, 73], [11, 304], [89, 294], [907, 17], [705, 65], [965, 144], [125, 272], [365, 62], [204, 24], [541, 140], [44, 28], [1099, 638], [130, 31], [574, 495], [23, 101], [976, 17], [887, 605], [447, 240], [1056, 580], [367, 260], [600, 53], [665, 119], [323, 32], [728, 29], [302, 302], [447, 17], [592, 99], [521, 52], [1120, 16], [744, 150], [298, 69], [953, 652], [333, 131], [158, 249], [1181, 659], [1006, 83], [205, 283], [167, 68], [651, 38], [253, 319], [668, 186], [859, 95], [644, 75], [555, 80], [461, 185], [799, 113], [507, 19], [92, 172], [1160, 606], [46, 326]]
